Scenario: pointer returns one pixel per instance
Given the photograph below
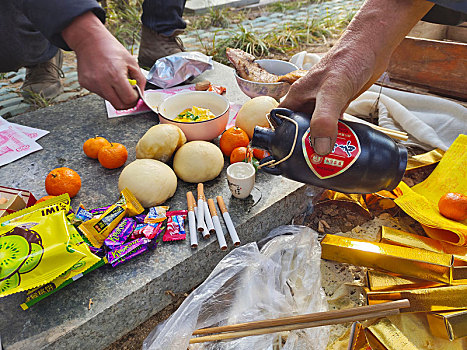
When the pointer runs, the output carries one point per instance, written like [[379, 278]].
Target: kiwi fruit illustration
[[33, 259], [9, 283], [14, 251], [30, 235]]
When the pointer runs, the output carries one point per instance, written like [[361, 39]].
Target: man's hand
[[104, 65], [356, 61]]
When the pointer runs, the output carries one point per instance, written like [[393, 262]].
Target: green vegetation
[[123, 20]]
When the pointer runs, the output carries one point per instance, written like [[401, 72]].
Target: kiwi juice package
[[37, 244]]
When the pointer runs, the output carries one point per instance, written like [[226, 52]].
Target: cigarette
[[228, 221], [191, 220], [205, 231], [200, 212], [208, 219], [217, 225]]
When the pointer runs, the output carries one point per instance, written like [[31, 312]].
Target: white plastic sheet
[[282, 279]]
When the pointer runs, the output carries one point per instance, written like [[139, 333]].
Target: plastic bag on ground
[[283, 279]]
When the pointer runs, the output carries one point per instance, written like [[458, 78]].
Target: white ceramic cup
[[241, 179]]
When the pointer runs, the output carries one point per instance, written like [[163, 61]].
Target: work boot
[[154, 46], [44, 79]]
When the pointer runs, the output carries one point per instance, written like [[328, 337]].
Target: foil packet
[[178, 68]]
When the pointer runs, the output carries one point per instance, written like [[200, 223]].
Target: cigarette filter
[[380, 281], [392, 236], [412, 262], [228, 221], [448, 325], [200, 212], [383, 335], [208, 219], [217, 225], [446, 298], [191, 220]]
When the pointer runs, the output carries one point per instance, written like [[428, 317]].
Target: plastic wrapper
[[178, 68], [128, 251], [175, 230], [120, 234], [282, 279], [36, 249], [98, 229], [156, 214]]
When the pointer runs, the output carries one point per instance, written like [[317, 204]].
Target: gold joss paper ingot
[[380, 281], [421, 160], [412, 262], [383, 335], [357, 199], [448, 325], [392, 236], [445, 298]]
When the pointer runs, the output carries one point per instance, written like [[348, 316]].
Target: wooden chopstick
[[292, 327], [300, 321]]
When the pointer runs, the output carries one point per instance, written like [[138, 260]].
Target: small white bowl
[[206, 130], [275, 90]]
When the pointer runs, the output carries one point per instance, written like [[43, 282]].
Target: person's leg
[[161, 23], [23, 46]]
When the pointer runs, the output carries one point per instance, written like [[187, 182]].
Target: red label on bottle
[[345, 152]]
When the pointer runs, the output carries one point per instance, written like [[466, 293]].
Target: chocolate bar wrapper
[[98, 229], [445, 298], [448, 325], [99, 211], [120, 234], [380, 281], [412, 262], [128, 251], [392, 236], [139, 218]]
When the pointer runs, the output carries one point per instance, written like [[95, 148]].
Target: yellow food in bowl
[[195, 114]]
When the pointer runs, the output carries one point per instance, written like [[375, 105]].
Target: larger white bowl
[[206, 130], [275, 90]]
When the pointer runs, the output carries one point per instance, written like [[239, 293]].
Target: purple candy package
[[120, 233], [128, 251]]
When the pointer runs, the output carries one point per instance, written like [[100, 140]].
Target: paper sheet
[[17, 141]]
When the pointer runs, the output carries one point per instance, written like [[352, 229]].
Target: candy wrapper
[[178, 68], [175, 230], [156, 214], [35, 249], [128, 251], [120, 234], [98, 229]]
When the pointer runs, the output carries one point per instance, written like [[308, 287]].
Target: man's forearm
[[82, 29], [377, 29]]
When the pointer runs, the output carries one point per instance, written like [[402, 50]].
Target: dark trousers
[[22, 45]]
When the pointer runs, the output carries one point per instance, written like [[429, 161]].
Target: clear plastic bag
[[282, 279]]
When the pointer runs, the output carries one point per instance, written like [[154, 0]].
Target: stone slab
[[203, 6], [125, 296]]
